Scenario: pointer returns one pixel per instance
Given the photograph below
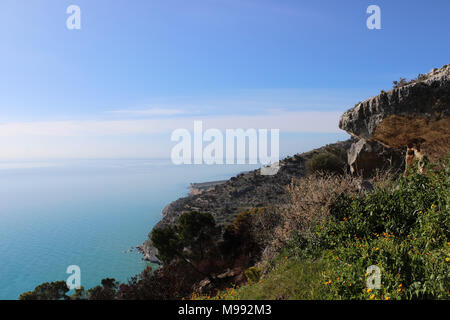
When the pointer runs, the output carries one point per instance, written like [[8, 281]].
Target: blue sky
[[156, 64]]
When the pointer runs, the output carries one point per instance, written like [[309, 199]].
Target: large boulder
[[414, 115], [366, 157]]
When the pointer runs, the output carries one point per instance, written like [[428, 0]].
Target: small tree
[[189, 241], [47, 291], [196, 232], [106, 291], [168, 243]]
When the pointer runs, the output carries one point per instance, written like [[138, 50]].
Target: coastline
[[241, 192]]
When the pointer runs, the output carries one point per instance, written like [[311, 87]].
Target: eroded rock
[[366, 157], [414, 116]]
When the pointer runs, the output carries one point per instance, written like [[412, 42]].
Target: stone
[[414, 116], [366, 157]]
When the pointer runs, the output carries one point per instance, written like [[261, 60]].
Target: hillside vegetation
[[324, 242], [402, 227]]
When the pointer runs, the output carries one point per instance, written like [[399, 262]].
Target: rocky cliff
[[413, 116]]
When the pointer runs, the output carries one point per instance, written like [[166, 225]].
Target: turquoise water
[[85, 213]]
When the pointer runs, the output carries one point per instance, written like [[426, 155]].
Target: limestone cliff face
[[415, 115]]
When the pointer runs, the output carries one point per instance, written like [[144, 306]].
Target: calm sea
[[89, 213]]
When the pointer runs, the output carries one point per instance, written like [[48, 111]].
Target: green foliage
[[47, 291], [168, 243], [252, 274], [326, 162], [190, 239], [404, 230], [239, 245], [339, 151], [106, 291], [196, 231]]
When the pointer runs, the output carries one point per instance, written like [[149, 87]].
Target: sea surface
[[90, 213]]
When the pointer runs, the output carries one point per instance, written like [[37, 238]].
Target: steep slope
[[240, 193]]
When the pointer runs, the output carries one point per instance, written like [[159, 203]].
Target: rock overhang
[[414, 114]]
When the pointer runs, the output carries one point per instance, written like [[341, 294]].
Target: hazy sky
[[139, 69]]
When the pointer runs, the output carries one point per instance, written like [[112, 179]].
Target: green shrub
[[252, 274], [47, 291], [402, 227], [195, 231], [338, 151], [404, 230], [326, 162]]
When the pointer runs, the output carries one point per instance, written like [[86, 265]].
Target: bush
[[47, 291], [263, 222], [401, 83], [310, 200], [252, 274], [404, 230], [402, 227], [107, 291], [338, 151], [326, 162], [191, 239]]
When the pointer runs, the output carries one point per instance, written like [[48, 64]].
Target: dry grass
[[311, 198]]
